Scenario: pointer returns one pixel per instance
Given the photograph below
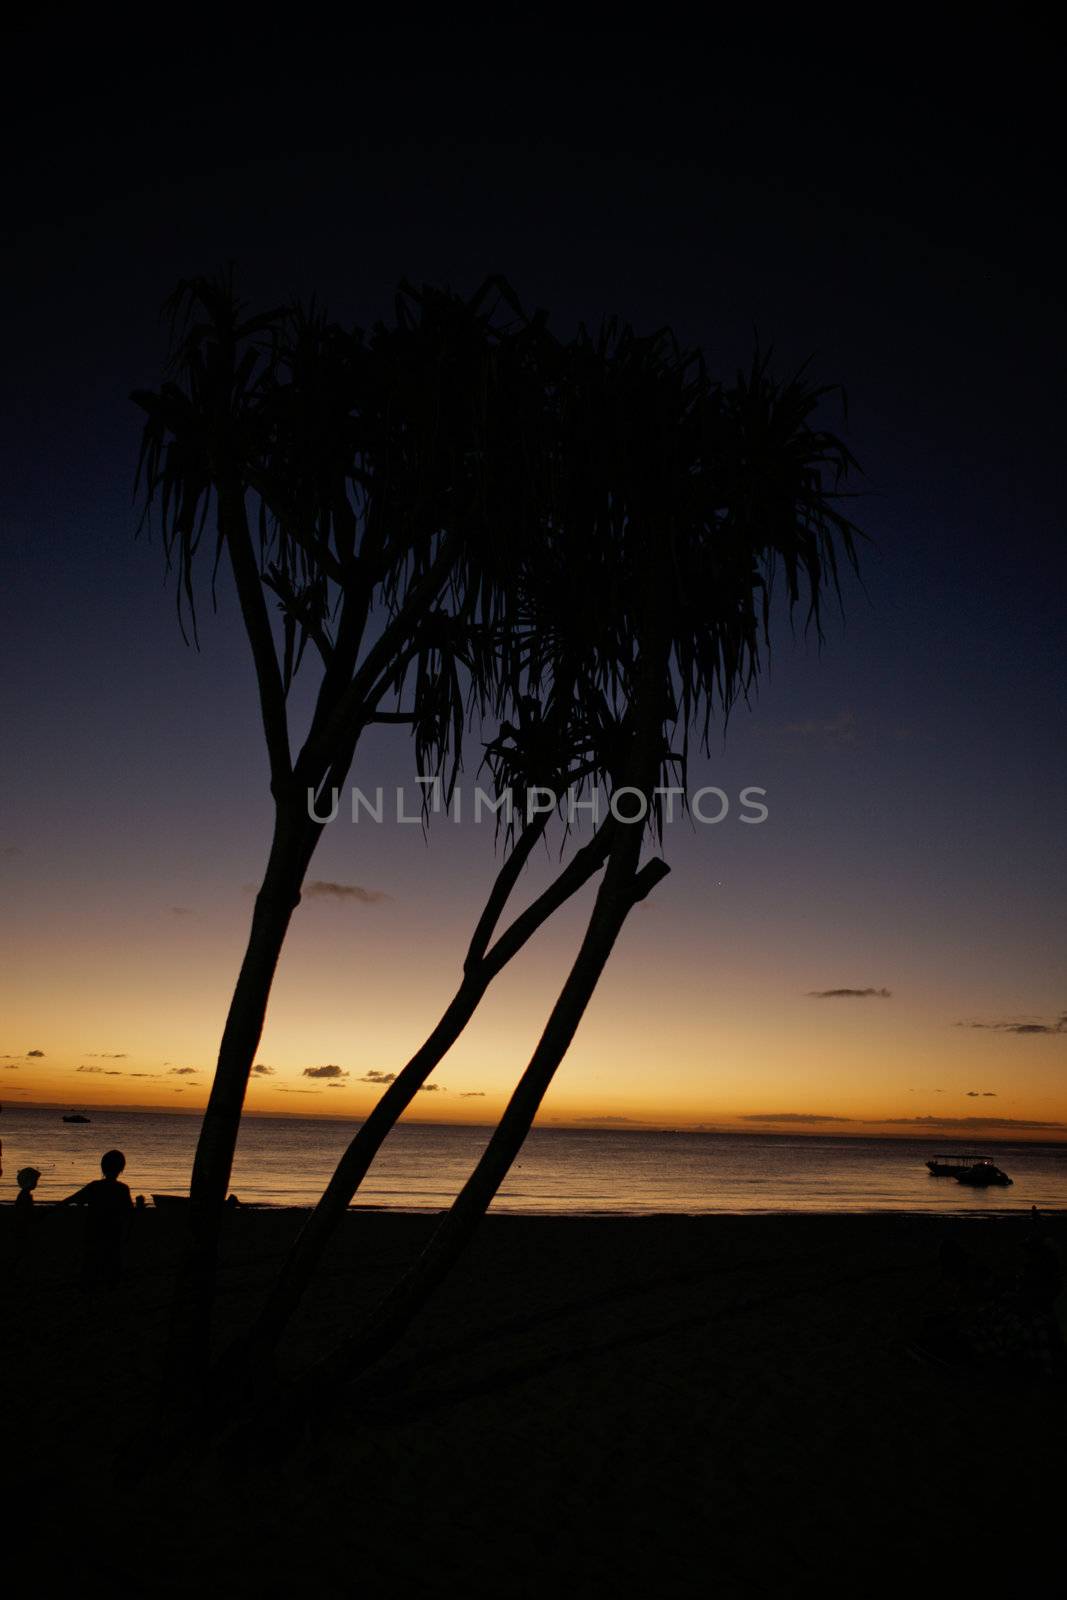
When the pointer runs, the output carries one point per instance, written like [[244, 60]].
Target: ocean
[[287, 1160]]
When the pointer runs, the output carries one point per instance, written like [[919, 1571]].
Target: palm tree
[[680, 503], [380, 487]]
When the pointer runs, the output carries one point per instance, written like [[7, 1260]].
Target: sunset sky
[[885, 952]]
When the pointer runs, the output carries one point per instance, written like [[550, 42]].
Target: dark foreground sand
[[665, 1406]]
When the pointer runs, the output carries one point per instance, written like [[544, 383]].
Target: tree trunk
[[212, 1165], [303, 1258], [480, 968], [623, 886]]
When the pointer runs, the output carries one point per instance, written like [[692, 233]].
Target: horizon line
[[602, 1125]]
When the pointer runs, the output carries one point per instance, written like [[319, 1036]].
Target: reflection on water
[[287, 1161]]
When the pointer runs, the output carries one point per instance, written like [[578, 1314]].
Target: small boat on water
[[983, 1175], [75, 1116], [978, 1172], [952, 1166]]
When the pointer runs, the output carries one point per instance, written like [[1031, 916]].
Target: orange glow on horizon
[[697, 1022]]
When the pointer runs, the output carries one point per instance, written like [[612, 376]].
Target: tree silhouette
[[585, 535], [380, 487], [678, 505]]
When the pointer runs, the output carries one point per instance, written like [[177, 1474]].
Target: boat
[[952, 1166], [75, 1116], [983, 1175]]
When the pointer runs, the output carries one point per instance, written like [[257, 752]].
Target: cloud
[[106, 1055], [181, 911], [283, 1088], [322, 889], [35, 1052], [793, 1116], [374, 1076], [606, 1121], [183, 1072], [144, 1074], [963, 1122], [850, 994], [329, 1071], [89, 1069], [1057, 1026], [10, 851], [12, 1066], [473, 1094], [260, 1071]]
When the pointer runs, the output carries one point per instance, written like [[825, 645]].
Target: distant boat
[[75, 1116], [983, 1175], [952, 1166]]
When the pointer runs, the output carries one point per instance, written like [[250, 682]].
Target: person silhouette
[[109, 1205], [26, 1178]]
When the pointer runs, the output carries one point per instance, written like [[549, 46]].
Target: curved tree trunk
[[623, 885], [620, 891], [346, 702], [307, 1250], [480, 968], [213, 1163]]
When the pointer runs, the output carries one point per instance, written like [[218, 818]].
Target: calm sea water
[[286, 1161]]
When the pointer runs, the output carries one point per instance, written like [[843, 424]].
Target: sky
[[884, 952]]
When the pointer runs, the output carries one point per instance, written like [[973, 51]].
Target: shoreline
[[286, 1207]]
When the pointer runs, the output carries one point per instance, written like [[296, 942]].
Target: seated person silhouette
[[27, 1179], [109, 1205]]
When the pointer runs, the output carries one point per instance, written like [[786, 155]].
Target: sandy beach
[[597, 1406]]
